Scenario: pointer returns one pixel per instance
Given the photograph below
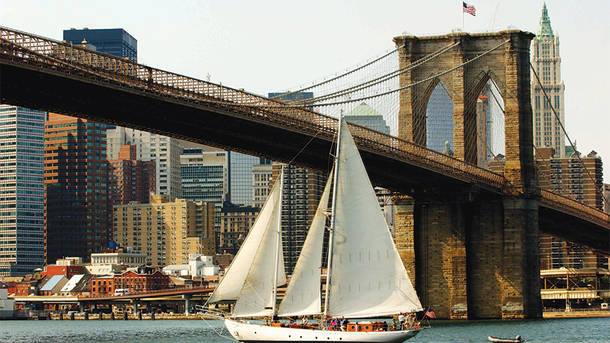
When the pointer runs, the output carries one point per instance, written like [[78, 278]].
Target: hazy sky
[[271, 45]]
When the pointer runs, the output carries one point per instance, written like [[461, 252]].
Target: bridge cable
[[336, 77]]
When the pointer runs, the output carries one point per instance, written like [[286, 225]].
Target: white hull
[[248, 332]]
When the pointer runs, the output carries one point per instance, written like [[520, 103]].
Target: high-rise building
[[261, 177], [547, 63], [204, 175], [166, 231], [240, 177], [21, 190], [164, 151], [130, 179], [365, 115], [76, 174], [117, 42], [235, 223], [302, 191], [439, 121]]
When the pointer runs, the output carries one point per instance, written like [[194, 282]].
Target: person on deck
[[401, 321]]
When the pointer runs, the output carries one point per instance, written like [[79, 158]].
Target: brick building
[[139, 283], [131, 179], [235, 223]]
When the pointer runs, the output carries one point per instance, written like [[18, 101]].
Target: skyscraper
[[261, 177], [164, 151], [439, 121], [117, 42], [130, 179], [365, 115], [240, 177], [21, 190], [607, 198], [76, 174], [547, 63]]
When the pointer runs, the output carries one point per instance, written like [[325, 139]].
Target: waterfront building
[[167, 232], [137, 282], [365, 115], [302, 191], [547, 63], [21, 190], [76, 174], [261, 177], [117, 42], [162, 150], [439, 121], [235, 223], [112, 262], [198, 266], [130, 179]]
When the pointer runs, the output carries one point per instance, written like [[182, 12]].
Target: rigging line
[[548, 99], [338, 76], [381, 78], [414, 83]]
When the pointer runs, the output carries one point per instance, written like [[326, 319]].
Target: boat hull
[[249, 332]]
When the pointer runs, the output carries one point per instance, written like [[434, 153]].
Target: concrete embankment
[[577, 314], [131, 316]]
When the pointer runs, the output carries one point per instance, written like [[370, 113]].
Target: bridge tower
[[474, 257]]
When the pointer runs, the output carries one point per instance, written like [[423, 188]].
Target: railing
[[77, 62], [25, 48], [573, 207]]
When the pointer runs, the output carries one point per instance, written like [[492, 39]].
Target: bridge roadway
[[42, 73]]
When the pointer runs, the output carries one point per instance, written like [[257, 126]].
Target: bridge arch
[[471, 61]]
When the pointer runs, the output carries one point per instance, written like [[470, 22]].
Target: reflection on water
[[191, 331]]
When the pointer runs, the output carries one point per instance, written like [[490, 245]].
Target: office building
[[547, 63], [130, 179], [76, 175], [439, 121], [240, 177], [261, 177], [302, 191], [164, 151], [21, 190], [204, 175], [166, 231], [365, 115], [117, 42], [235, 223], [607, 198]]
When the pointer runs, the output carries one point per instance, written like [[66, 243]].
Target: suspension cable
[[336, 77], [379, 79]]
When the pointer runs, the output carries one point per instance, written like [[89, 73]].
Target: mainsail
[[303, 297], [250, 275], [368, 278]]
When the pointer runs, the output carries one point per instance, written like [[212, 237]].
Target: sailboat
[[365, 277]]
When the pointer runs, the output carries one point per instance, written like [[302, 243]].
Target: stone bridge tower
[[474, 257]]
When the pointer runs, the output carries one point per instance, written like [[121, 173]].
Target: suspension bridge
[[471, 234]]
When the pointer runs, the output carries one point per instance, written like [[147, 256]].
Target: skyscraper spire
[[545, 23]]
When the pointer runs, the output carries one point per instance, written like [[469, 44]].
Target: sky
[[270, 45]]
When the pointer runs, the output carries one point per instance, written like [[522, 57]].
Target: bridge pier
[[440, 258]]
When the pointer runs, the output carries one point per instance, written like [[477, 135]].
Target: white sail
[[303, 296], [233, 281], [256, 298], [368, 278]]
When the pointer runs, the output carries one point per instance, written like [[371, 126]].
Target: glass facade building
[[439, 120], [117, 42], [21, 190], [240, 177]]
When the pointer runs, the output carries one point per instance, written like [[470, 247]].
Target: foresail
[[303, 296], [233, 281], [367, 275], [256, 296]]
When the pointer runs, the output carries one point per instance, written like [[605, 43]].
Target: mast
[[331, 234], [277, 243]]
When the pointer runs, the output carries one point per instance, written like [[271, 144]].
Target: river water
[[190, 331]]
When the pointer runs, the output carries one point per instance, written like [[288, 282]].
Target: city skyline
[[342, 46]]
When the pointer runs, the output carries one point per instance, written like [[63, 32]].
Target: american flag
[[469, 9]]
